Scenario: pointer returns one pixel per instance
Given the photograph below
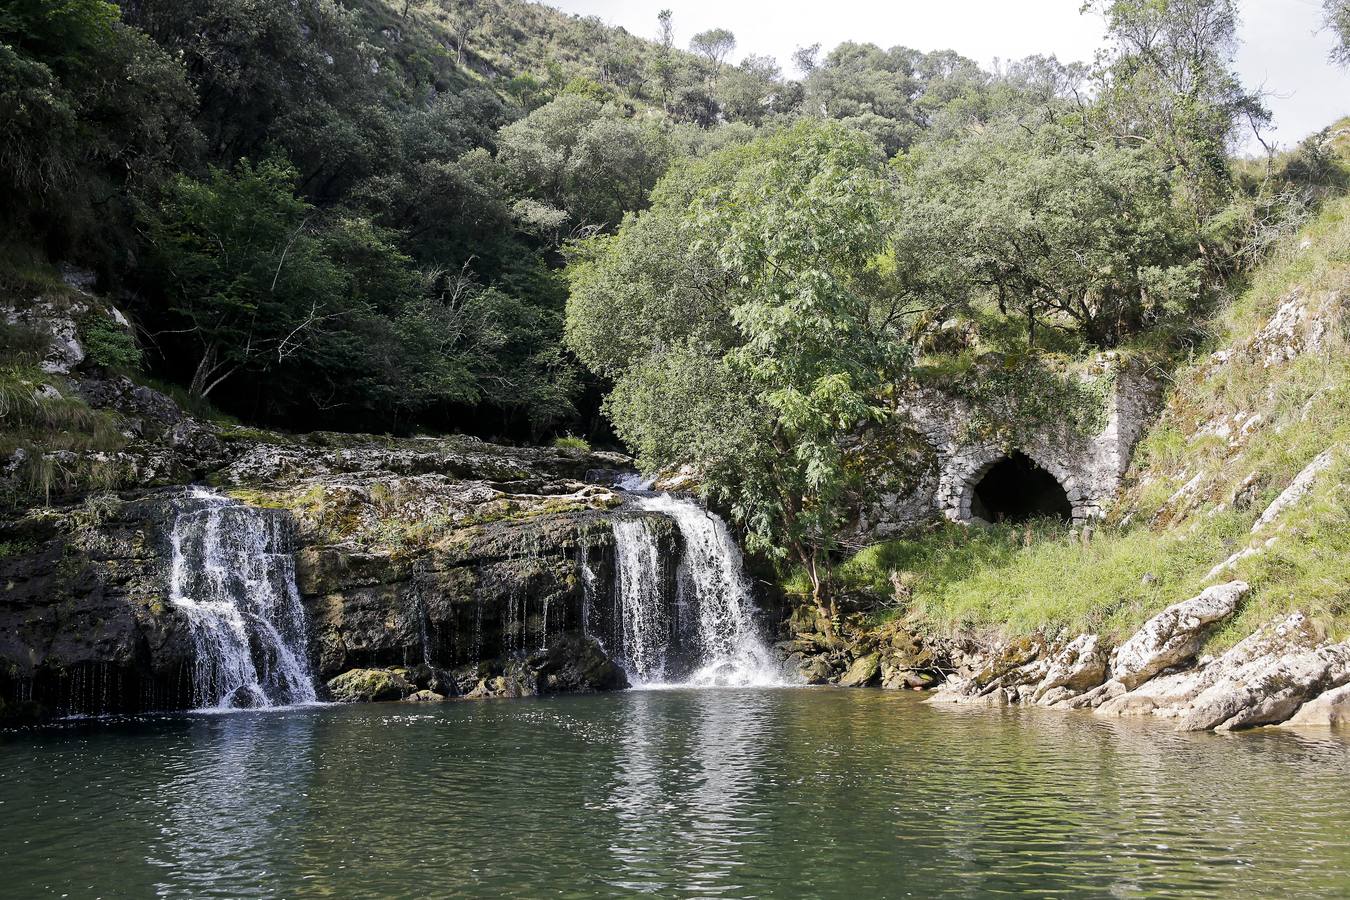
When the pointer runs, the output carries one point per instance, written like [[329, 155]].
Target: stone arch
[[966, 473]]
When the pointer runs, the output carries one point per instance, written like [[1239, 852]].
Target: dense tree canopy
[[355, 213], [1066, 234], [753, 333]]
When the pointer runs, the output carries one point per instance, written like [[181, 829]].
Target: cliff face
[[473, 568]]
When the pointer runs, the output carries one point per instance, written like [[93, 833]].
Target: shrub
[[109, 345], [571, 442]]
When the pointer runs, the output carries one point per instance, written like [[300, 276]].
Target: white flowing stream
[[712, 618], [233, 578]]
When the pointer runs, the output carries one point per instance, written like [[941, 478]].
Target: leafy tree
[[890, 94], [750, 92], [664, 66], [299, 75], [1169, 87], [243, 268], [714, 45], [90, 107], [773, 344], [1338, 20], [1064, 234], [588, 159]]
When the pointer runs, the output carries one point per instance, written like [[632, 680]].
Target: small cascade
[[417, 611], [233, 578], [708, 634], [645, 625]]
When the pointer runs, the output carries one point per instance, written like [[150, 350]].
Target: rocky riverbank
[[1285, 673]]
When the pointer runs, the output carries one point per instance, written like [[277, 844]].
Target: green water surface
[[674, 793]]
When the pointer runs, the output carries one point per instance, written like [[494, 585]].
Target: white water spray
[[712, 589], [645, 633], [234, 581]]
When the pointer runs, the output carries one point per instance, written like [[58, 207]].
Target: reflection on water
[[224, 819], [726, 793], [684, 795]]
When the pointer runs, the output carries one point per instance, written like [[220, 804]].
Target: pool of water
[[711, 793]]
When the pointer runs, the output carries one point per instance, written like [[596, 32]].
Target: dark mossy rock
[[862, 672], [370, 685], [817, 670], [1012, 656], [576, 663]]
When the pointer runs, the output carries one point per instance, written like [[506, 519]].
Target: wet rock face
[[451, 555], [84, 623], [505, 592]]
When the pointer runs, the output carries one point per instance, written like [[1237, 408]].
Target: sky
[[1283, 50]]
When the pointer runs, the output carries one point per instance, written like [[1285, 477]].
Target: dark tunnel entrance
[[1015, 489]]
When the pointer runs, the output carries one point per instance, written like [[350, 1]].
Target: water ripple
[[725, 793]]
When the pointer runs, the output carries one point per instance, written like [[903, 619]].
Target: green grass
[[57, 441], [571, 442]]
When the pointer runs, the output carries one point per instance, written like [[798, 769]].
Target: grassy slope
[[49, 438], [1160, 544]]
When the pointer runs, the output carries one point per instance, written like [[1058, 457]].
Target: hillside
[[1243, 476]]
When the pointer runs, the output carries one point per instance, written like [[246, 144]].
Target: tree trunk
[[202, 375], [825, 606]]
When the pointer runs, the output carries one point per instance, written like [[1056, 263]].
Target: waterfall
[[713, 629], [644, 636], [233, 578]]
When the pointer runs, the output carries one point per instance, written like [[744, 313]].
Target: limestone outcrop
[[1285, 671], [1174, 635]]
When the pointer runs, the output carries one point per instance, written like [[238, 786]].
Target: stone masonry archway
[[1014, 490], [961, 498]]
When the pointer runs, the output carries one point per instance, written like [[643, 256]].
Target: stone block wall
[[1088, 467]]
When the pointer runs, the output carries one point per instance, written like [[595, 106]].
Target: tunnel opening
[[1015, 489]]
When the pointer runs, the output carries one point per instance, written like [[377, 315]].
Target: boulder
[[1079, 667], [425, 697], [369, 685], [511, 685], [1266, 678], [1173, 636], [898, 678], [1151, 698], [1326, 709], [577, 663], [816, 670], [862, 672]]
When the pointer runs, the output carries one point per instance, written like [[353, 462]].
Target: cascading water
[[713, 628], [645, 632], [233, 578]]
